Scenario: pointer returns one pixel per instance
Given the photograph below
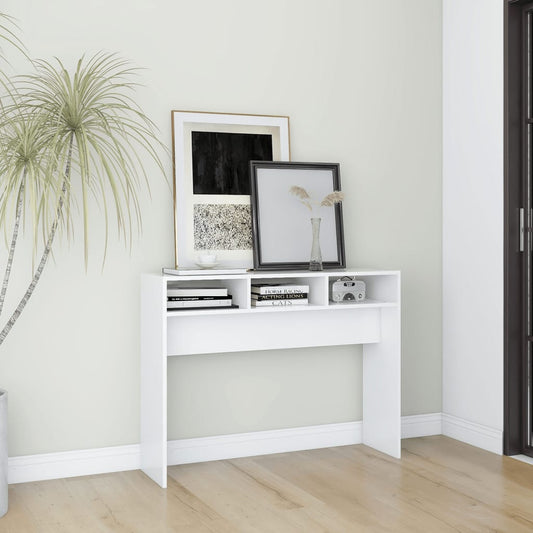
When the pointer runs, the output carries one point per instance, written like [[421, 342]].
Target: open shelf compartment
[[317, 294], [382, 289], [238, 288]]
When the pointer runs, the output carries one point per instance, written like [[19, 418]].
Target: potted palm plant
[[66, 137]]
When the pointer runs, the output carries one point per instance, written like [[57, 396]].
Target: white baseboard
[[523, 458], [263, 443], [121, 458], [75, 463], [484, 437], [421, 425]]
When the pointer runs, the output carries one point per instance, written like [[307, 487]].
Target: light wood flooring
[[438, 485]]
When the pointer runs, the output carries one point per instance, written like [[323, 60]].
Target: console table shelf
[[374, 323]]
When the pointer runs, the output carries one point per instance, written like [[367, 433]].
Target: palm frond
[[111, 135], [66, 138], [8, 35], [26, 161]]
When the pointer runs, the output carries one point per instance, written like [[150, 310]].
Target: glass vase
[[315, 262]]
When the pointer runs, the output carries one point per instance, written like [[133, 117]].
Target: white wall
[[473, 211], [361, 82]]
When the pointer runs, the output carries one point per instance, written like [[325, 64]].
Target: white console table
[[374, 323]]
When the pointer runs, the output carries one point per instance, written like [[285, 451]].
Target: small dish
[[207, 265]]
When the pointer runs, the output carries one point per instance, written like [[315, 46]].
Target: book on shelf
[[194, 304], [225, 308], [197, 291], [279, 288], [194, 298], [286, 296], [286, 302], [191, 271]]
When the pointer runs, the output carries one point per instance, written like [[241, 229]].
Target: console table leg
[[154, 380], [382, 387]]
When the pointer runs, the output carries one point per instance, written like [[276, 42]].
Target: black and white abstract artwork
[[211, 163], [221, 161], [222, 227]]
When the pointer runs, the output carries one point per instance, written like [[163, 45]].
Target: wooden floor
[[438, 485]]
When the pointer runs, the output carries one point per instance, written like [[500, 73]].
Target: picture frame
[[211, 154], [281, 226]]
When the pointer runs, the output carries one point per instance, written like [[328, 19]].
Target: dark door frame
[[516, 362]]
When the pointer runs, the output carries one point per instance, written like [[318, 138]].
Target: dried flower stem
[[331, 199], [303, 196]]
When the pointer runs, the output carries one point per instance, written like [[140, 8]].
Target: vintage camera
[[347, 290]]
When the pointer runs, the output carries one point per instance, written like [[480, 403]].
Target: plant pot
[[3, 452]]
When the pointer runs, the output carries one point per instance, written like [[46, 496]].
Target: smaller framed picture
[[285, 198]]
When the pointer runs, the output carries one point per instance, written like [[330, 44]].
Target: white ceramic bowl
[[207, 265]]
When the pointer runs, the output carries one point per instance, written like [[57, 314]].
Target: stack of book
[[267, 294], [198, 297]]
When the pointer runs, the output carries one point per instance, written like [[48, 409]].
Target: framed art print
[[285, 198], [211, 155]]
